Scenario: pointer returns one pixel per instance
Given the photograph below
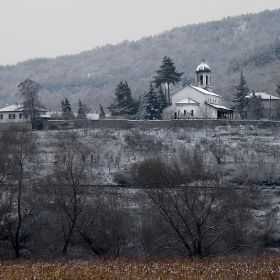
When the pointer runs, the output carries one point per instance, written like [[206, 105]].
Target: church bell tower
[[203, 76]]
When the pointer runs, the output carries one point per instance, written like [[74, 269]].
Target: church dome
[[203, 67]]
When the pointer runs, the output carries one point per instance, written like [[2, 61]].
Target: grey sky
[[49, 28]]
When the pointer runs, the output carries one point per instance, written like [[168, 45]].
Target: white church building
[[197, 101]]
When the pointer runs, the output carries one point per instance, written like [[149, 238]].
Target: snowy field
[[247, 154]]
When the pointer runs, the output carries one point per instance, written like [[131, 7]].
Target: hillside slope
[[92, 75]]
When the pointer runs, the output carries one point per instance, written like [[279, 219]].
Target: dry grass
[[266, 267]]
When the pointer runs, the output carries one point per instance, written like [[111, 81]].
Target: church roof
[[203, 67], [206, 91], [187, 101], [220, 107]]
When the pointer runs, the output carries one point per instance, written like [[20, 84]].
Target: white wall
[[6, 117], [199, 111]]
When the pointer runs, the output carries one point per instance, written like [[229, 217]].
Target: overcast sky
[[50, 28]]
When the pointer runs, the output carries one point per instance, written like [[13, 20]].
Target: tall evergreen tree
[[167, 74], [123, 103], [240, 99]]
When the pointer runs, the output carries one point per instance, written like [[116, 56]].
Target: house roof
[[12, 108], [187, 101], [263, 95], [18, 108]]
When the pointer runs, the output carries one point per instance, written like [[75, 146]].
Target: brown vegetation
[[265, 267]]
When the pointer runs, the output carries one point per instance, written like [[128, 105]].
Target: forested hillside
[[248, 42]]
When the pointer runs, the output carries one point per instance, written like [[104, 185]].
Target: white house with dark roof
[[197, 101]]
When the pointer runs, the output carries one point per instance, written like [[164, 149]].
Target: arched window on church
[[206, 80], [201, 80]]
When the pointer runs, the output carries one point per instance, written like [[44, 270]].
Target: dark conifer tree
[[102, 113], [255, 106], [151, 104], [83, 110], [65, 105], [161, 97], [278, 89], [80, 107], [167, 74], [240, 99], [66, 109], [123, 103]]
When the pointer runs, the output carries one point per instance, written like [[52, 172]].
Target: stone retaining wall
[[164, 124]]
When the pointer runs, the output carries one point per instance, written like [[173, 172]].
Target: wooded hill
[[244, 42]]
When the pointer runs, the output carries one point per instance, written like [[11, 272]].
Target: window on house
[[20, 116], [191, 112], [12, 116], [185, 112], [1, 116]]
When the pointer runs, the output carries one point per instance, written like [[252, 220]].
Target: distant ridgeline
[[228, 45]]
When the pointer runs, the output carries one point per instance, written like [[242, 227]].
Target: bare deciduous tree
[[206, 111], [29, 90], [19, 148], [69, 182], [192, 199]]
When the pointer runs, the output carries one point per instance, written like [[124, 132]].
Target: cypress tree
[[240, 99], [278, 89], [80, 108], [102, 113]]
